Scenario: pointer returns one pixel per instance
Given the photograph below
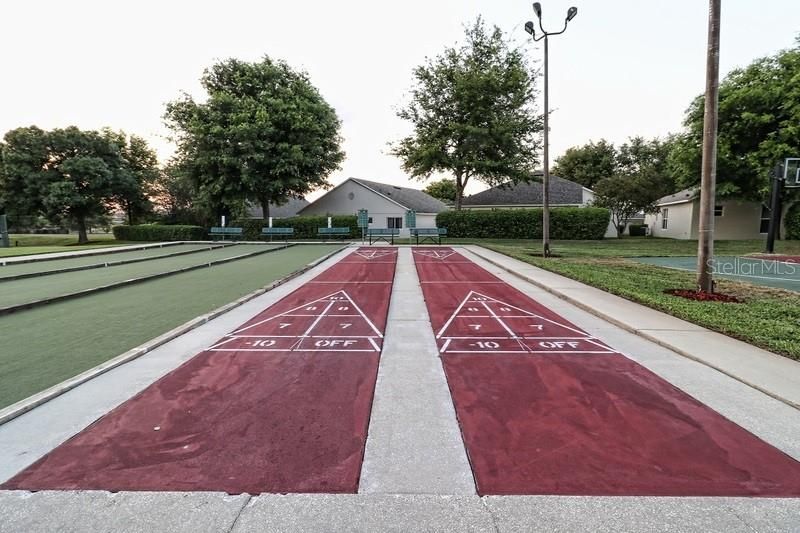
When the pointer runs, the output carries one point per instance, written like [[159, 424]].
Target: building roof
[[680, 197], [407, 197], [289, 209], [562, 192]]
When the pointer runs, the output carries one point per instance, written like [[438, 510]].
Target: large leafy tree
[[759, 126], [264, 133], [140, 172], [587, 164], [444, 190], [63, 174], [473, 114]]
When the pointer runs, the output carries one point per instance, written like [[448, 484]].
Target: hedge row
[[792, 222], [304, 227], [157, 232], [588, 223]]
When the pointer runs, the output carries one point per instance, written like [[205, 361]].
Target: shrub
[[156, 232], [304, 227], [637, 230], [587, 223], [792, 222]]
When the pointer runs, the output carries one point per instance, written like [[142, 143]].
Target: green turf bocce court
[[45, 345]]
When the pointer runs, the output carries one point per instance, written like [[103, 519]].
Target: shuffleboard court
[[770, 272], [77, 261], [22, 291], [546, 408], [281, 404]]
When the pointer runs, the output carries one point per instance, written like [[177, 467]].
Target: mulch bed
[[703, 296]]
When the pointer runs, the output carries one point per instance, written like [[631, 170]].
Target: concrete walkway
[[80, 253], [765, 371], [415, 476]]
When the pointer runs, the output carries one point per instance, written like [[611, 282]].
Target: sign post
[[4, 242], [363, 223]]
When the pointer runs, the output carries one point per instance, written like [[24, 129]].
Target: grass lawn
[[769, 318], [46, 345], [27, 244], [634, 247]]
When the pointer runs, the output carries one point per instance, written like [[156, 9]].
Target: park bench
[[333, 232], [431, 234], [235, 233], [382, 234], [280, 232]]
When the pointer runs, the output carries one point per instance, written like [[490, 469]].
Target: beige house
[[678, 217], [386, 204]]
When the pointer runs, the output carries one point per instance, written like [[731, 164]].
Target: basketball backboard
[[791, 172]]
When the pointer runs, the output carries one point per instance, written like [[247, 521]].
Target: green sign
[[4, 243], [363, 218], [411, 218]]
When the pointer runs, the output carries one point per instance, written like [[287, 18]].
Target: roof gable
[[407, 197], [562, 192]]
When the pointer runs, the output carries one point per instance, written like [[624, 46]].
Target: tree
[[141, 170], [587, 164], [759, 126], [472, 110], [444, 190], [64, 173], [625, 195], [265, 133], [639, 176]]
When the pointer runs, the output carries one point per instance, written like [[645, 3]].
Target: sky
[[623, 68]]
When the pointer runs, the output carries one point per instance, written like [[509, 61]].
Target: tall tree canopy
[[63, 173], [587, 164], [759, 126], [264, 133], [473, 114], [142, 172]]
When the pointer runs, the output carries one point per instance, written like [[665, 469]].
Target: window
[[765, 215], [719, 210], [369, 220], [664, 218], [394, 222]]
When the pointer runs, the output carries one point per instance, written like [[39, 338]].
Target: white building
[[679, 215], [386, 204]]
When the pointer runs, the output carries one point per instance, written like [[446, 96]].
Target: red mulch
[[703, 296]]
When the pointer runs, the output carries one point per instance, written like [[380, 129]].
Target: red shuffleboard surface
[[281, 404], [546, 408]]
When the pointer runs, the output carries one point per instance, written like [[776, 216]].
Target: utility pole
[[571, 12], [705, 244]]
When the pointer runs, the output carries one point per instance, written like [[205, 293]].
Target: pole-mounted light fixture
[[571, 13]]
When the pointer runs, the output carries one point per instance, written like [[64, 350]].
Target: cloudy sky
[[624, 67]]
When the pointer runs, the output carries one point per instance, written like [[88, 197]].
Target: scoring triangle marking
[[435, 254], [336, 297]]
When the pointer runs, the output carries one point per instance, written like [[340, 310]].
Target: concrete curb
[[35, 258], [107, 264], [608, 318], [23, 406], [116, 285]]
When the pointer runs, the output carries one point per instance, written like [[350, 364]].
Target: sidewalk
[[765, 371]]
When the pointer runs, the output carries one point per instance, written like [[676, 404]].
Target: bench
[[280, 232], [382, 234], [333, 232], [225, 232], [432, 234]]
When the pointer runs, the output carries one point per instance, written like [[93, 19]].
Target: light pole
[[708, 176], [571, 12]]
